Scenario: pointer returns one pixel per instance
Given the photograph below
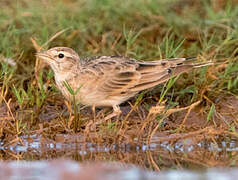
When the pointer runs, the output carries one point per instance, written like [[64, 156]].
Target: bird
[[108, 81]]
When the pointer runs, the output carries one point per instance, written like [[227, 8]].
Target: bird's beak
[[43, 55]]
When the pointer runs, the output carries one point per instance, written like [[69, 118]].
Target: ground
[[201, 104]]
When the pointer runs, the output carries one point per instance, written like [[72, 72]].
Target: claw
[[116, 112]]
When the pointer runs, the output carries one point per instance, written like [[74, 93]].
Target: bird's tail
[[190, 61]]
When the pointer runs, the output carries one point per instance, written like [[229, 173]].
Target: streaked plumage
[[110, 80]]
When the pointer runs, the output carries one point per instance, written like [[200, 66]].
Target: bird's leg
[[94, 113], [101, 112], [116, 112]]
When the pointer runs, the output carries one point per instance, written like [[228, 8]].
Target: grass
[[146, 30]]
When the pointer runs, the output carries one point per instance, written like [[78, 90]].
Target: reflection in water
[[65, 170], [184, 154]]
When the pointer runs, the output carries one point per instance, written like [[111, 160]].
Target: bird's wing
[[119, 75], [157, 72], [113, 75]]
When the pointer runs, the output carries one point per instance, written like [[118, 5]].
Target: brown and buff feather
[[110, 80]]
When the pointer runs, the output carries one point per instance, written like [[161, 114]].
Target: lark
[[104, 81]]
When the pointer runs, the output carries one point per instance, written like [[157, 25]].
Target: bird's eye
[[169, 71], [61, 55]]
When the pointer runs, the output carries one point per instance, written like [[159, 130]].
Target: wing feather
[[123, 75]]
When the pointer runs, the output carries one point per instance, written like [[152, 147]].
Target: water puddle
[[183, 154], [65, 169]]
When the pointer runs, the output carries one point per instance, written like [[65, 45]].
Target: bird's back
[[111, 80]]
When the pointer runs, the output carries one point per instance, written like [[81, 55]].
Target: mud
[[196, 145]]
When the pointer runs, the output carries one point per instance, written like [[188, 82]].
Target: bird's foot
[[92, 124], [116, 112]]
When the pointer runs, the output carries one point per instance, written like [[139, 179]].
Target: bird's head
[[61, 59]]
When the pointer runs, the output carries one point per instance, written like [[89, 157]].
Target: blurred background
[[30, 103]]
